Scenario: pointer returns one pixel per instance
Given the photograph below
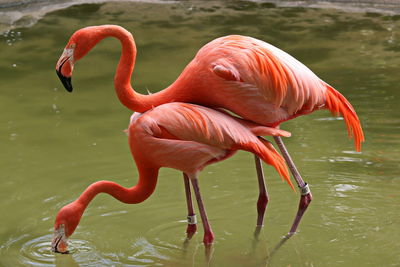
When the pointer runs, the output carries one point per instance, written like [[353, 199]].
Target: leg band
[[192, 219], [305, 190]]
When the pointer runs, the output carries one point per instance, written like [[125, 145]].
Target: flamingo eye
[[72, 46]]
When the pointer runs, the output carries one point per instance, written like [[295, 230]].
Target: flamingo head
[[80, 43], [66, 222]]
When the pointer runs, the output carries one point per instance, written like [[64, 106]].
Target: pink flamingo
[[182, 136], [249, 77]]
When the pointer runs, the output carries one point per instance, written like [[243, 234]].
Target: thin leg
[[208, 234], [263, 195], [306, 195], [192, 221]]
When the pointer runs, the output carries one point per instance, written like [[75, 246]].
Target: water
[[54, 144]]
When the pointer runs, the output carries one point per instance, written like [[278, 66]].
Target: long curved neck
[[136, 194], [122, 80]]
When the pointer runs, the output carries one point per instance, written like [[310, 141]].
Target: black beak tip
[[66, 81]]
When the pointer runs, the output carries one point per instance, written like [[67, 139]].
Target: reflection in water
[[269, 253], [209, 251], [65, 260], [146, 251], [276, 248]]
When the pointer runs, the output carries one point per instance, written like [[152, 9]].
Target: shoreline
[[25, 13]]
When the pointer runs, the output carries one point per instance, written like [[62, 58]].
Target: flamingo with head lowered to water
[[182, 136]]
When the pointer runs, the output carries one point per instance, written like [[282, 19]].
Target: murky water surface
[[54, 144]]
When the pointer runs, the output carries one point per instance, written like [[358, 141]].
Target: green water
[[54, 144]]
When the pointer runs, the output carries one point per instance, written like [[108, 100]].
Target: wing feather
[[279, 77]]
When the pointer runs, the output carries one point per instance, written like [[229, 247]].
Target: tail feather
[[269, 155], [338, 104]]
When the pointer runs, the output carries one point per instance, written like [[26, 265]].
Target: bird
[[181, 136], [243, 75]]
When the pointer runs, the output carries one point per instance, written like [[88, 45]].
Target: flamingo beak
[[60, 241], [64, 68], [66, 81]]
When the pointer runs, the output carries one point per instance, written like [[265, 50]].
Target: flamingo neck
[[70, 215], [122, 79], [136, 194]]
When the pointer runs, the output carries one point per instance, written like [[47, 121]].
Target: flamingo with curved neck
[[249, 77]]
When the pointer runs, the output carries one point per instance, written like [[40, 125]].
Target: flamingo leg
[[263, 193], [306, 195], [191, 218], [208, 233]]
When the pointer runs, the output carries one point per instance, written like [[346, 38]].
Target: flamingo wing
[[188, 137], [252, 68]]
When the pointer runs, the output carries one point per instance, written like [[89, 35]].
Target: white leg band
[[192, 219], [305, 190]]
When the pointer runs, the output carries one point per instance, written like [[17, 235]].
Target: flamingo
[[249, 77], [182, 136]]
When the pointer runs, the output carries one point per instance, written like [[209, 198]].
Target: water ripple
[[37, 252], [30, 250]]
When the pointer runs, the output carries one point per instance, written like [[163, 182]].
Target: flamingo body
[[182, 136]]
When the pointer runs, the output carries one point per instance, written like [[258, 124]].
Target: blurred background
[[54, 144]]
